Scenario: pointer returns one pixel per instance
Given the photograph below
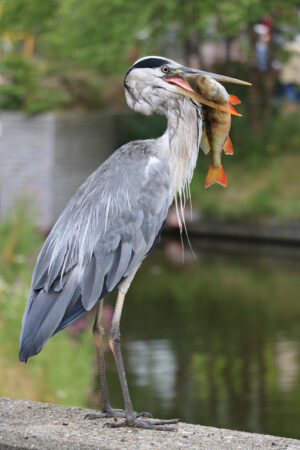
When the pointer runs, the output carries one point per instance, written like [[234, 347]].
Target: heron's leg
[[98, 335], [114, 342]]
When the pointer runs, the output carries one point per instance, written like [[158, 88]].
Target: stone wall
[[46, 157], [34, 425]]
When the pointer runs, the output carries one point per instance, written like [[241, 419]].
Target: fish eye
[[165, 69]]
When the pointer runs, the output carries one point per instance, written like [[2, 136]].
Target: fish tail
[[234, 100], [228, 149], [215, 175]]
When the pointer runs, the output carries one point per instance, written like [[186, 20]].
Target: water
[[214, 341]]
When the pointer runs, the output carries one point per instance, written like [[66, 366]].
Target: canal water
[[214, 340]]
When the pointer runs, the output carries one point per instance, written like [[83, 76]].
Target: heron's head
[[153, 82]]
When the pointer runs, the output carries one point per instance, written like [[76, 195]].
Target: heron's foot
[[151, 424], [107, 414]]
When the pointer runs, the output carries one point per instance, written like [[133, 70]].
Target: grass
[[271, 191]]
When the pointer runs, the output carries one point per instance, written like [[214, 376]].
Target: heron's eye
[[165, 69]]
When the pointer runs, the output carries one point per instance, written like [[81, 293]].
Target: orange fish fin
[[215, 175], [228, 149], [232, 110], [234, 100], [204, 144]]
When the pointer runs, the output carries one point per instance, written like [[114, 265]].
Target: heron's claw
[[144, 414], [115, 413], [143, 423]]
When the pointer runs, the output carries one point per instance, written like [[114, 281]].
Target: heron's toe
[[144, 423], [106, 414], [114, 413], [144, 414]]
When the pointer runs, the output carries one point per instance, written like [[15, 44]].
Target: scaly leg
[[98, 335], [114, 342]]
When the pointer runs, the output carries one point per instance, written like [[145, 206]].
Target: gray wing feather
[[49, 309], [103, 235], [138, 242], [93, 280], [55, 268], [91, 283], [57, 310], [122, 262], [60, 282]]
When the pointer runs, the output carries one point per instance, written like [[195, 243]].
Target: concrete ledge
[[26, 424]]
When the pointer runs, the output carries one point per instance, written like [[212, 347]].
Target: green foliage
[[279, 134], [35, 87], [106, 36], [260, 203], [100, 33], [282, 135], [31, 16], [19, 240], [237, 16], [19, 81], [22, 88]]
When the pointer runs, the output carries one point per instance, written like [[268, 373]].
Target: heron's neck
[[180, 142]]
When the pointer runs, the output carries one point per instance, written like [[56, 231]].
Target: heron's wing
[[103, 235]]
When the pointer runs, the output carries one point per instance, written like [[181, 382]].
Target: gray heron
[[115, 219]]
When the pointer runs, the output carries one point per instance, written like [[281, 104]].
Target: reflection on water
[[153, 362], [287, 361], [214, 341]]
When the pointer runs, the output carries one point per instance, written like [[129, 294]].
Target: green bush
[[19, 241], [18, 81], [22, 87]]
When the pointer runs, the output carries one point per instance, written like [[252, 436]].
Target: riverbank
[[35, 425]]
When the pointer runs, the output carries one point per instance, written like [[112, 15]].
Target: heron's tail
[[46, 313]]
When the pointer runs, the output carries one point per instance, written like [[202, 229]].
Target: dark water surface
[[214, 341]]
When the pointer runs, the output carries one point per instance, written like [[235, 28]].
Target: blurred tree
[[108, 35], [101, 33], [235, 18]]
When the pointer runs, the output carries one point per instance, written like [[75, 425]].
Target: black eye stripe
[[150, 63]]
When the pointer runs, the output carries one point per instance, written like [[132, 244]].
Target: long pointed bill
[[187, 71], [185, 89]]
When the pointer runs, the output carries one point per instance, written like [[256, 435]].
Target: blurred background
[[214, 340]]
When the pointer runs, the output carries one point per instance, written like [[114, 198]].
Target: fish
[[215, 136]]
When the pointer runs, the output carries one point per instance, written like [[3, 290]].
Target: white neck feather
[[179, 145]]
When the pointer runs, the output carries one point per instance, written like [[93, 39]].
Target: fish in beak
[[176, 77], [215, 136]]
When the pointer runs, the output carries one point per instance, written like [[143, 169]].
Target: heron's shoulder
[[139, 150], [133, 159]]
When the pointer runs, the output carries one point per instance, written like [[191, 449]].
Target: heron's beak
[[189, 72], [176, 77]]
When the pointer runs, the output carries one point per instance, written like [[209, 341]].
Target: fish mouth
[[183, 87]]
